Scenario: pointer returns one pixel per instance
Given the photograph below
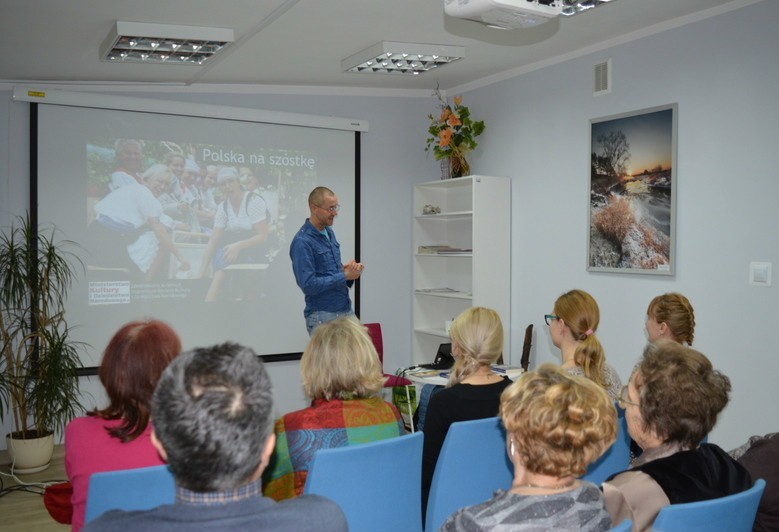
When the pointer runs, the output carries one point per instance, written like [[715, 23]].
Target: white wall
[[724, 75]]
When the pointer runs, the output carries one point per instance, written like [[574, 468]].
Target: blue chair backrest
[[472, 465], [733, 513], [129, 489], [378, 485], [615, 459], [624, 526]]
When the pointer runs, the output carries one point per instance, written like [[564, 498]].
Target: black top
[[461, 402], [762, 461], [705, 473]]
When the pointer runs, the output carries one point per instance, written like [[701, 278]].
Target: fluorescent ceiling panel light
[[402, 58], [139, 42]]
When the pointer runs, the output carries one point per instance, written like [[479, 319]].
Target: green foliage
[[38, 362], [453, 133]]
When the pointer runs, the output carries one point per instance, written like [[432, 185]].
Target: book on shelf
[[434, 250], [443, 290]]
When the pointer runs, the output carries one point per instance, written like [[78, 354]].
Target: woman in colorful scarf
[[342, 376]]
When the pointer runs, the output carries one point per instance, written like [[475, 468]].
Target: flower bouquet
[[453, 135]]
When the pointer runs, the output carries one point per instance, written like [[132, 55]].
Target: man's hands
[[353, 270]]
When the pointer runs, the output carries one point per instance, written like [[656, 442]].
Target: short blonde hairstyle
[[478, 332], [559, 423], [341, 362]]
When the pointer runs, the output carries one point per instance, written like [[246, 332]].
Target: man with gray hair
[[213, 423]]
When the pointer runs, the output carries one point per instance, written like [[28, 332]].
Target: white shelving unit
[[475, 218]]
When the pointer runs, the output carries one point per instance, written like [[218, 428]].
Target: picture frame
[[632, 208]]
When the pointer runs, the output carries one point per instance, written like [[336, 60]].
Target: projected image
[[175, 220]]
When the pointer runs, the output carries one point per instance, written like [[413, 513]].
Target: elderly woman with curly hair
[[556, 424], [671, 402], [342, 376]]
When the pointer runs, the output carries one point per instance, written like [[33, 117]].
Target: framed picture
[[632, 220]]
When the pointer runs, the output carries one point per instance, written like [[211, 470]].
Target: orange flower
[[445, 114], [458, 100], [454, 120], [444, 136]]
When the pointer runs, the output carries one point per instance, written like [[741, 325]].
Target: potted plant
[[38, 360], [452, 136]]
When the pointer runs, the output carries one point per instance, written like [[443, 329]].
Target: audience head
[[213, 417], [576, 319], [341, 362], [132, 364], [674, 395], [477, 340], [557, 424], [670, 316]]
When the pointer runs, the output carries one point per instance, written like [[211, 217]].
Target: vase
[[455, 166], [30, 455]]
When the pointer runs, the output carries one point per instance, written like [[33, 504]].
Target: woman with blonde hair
[[556, 425], [671, 317], [473, 390], [572, 327], [342, 376]]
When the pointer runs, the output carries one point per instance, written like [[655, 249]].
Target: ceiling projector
[[506, 14]]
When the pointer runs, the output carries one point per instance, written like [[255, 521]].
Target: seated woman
[[473, 390], [118, 436], [671, 402], [342, 376], [240, 231], [556, 425], [670, 316], [572, 326]]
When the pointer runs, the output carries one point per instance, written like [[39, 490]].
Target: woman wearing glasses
[[671, 402], [572, 327]]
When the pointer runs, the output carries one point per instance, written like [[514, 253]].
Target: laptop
[[443, 358]]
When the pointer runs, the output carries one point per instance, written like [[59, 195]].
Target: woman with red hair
[[118, 436]]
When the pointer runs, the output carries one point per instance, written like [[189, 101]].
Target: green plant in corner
[[453, 134], [38, 360]]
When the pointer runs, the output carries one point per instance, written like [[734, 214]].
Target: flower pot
[[30, 455], [454, 167]]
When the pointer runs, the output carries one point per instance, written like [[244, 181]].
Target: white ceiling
[[302, 42]]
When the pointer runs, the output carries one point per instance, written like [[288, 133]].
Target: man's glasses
[[623, 400], [334, 208], [548, 317]]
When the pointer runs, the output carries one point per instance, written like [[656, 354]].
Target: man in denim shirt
[[316, 262]]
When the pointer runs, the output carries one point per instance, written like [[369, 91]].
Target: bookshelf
[[462, 256]]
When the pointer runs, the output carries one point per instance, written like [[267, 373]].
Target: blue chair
[[471, 466], [378, 485], [615, 459], [129, 489], [624, 526], [733, 513]]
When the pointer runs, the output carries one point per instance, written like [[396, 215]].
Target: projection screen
[[85, 158]]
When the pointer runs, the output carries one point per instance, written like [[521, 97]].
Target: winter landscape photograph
[[632, 199]]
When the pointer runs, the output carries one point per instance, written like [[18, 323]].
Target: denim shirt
[[316, 262]]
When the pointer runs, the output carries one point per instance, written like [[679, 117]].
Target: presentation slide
[[188, 220]]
